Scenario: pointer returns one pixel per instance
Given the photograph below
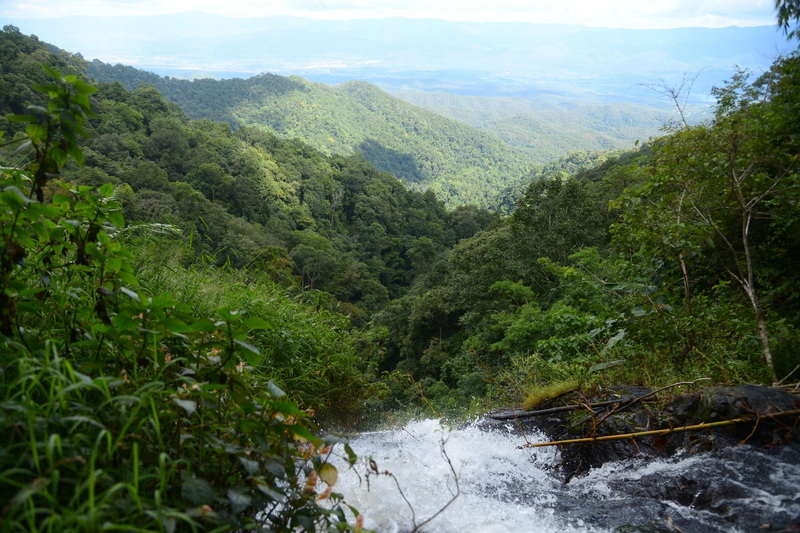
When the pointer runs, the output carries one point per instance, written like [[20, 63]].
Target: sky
[[638, 14]]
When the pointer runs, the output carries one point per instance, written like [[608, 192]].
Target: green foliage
[[670, 263], [119, 407], [788, 13], [705, 214], [242, 198], [309, 352], [426, 151], [52, 131]]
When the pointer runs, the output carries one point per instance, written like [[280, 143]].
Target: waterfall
[[505, 487]]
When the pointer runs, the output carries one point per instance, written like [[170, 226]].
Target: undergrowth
[[123, 407]]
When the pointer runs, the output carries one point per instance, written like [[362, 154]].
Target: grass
[[540, 395]]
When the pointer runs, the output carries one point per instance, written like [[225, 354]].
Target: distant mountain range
[[491, 101], [519, 59], [466, 149]]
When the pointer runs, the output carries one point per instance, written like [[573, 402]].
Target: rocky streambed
[[741, 476]]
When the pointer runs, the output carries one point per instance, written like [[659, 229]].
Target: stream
[[504, 487]]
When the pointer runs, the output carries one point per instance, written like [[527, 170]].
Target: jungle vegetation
[[188, 309]]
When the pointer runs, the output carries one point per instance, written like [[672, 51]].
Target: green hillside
[[549, 126], [427, 151], [248, 198], [183, 302]]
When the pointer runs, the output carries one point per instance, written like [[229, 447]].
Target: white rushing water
[[505, 487]]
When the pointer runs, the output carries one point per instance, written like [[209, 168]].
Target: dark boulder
[[714, 404], [727, 403]]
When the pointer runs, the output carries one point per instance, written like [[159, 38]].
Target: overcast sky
[[605, 13]]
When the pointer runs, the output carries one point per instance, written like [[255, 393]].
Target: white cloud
[[606, 13]]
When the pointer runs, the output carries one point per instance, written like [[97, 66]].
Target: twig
[[416, 527], [789, 375], [424, 399], [541, 412], [454, 495]]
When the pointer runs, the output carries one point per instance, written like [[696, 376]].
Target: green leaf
[[114, 264], [197, 491], [270, 492], [174, 325], [351, 455], [58, 155], [328, 473], [253, 359], [128, 277], [247, 346], [36, 132], [106, 190], [238, 388], [250, 466], [14, 198], [187, 405], [53, 73], [255, 322], [24, 119], [303, 433], [76, 154], [116, 218], [202, 325], [239, 500], [274, 390], [61, 200]]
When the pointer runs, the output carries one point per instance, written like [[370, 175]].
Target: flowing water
[[500, 486]]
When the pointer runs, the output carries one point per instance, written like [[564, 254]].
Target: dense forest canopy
[[182, 300], [426, 151], [333, 223]]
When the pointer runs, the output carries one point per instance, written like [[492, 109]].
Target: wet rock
[[727, 403], [708, 405], [626, 514], [727, 487], [740, 477]]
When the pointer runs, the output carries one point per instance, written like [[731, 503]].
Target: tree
[[788, 13], [713, 190]]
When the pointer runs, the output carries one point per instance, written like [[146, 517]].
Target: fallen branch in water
[[659, 432], [373, 470], [622, 401]]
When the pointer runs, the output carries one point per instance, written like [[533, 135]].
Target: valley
[[207, 285]]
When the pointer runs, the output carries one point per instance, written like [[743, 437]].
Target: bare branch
[[679, 95]]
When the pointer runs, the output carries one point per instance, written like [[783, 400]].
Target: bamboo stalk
[[659, 432]]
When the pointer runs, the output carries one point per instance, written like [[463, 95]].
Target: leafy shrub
[[121, 409]]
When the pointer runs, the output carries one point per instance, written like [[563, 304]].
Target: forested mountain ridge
[[248, 198], [427, 151], [156, 381], [548, 126], [672, 262]]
